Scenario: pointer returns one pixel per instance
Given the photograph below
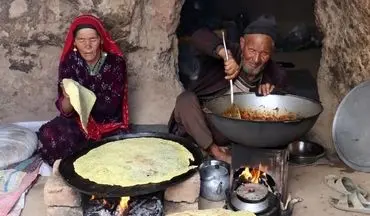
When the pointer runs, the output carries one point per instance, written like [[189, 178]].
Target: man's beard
[[252, 71]]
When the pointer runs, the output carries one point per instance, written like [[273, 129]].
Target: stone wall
[[345, 56], [32, 35]]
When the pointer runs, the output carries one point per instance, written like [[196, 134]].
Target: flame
[[253, 175], [121, 208], [123, 205]]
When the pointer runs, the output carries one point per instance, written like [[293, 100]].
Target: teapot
[[215, 180]]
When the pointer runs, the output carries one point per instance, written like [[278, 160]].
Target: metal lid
[[252, 192], [212, 171], [351, 128]]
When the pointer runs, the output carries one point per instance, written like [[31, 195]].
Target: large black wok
[[259, 133], [67, 171]]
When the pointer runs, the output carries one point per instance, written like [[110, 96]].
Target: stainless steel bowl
[[305, 152]]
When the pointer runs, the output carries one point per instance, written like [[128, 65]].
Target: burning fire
[[121, 207], [254, 175]]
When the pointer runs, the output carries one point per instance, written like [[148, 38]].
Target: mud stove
[[259, 181]]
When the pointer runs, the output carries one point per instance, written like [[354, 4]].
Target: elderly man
[[249, 65]]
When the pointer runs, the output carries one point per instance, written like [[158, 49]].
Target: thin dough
[[82, 99]]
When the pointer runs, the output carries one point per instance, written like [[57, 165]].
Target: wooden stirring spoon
[[233, 111]]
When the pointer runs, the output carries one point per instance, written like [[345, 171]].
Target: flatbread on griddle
[[134, 161], [213, 212]]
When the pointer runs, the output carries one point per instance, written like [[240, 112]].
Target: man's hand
[[232, 69], [265, 89], [220, 153]]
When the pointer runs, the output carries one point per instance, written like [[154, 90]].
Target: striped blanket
[[15, 180]]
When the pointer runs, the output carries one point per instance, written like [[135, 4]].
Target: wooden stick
[[227, 58]]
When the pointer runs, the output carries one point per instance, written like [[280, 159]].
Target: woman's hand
[[64, 91], [66, 105]]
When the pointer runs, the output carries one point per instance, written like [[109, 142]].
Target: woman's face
[[87, 42]]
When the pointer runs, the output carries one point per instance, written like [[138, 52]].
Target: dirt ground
[[304, 181]]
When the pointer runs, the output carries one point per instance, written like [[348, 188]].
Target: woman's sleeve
[[64, 73]]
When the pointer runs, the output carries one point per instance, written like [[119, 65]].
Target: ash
[[146, 207], [149, 205]]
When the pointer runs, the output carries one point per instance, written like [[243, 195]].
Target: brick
[[64, 211], [187, 191], [175, 207], [58, 193]]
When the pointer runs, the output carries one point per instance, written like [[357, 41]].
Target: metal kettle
[[215, 180]]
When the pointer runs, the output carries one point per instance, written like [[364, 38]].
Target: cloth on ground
[[82, 100], [16, 144], [15, 181]]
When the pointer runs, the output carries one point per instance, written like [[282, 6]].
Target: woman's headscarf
[[95, 131], [108, 44]]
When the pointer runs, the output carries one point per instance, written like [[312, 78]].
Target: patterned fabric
[[15, 180], [64, 135], [95, 131]]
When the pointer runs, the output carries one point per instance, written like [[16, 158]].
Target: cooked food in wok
[[253, 114], [134, 161]]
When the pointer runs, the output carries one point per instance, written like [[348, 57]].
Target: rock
[[174, 207], [58, 193], [187, 191], [145, 30], [64, 211], [345, 57], [17, 8]]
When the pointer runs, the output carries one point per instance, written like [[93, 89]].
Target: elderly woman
[[91, 58]]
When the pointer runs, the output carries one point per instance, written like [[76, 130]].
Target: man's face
[[88, 43], [257, 50]]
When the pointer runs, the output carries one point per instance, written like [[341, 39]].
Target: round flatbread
[[213, 212], [134, 161]]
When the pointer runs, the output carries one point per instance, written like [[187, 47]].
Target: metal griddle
[[85, 186]]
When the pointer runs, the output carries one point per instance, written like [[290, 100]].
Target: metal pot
[[305, 152], [257, 200], [264, 134], [215, 180]]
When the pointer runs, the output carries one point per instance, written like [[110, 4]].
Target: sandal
[[344, 185], [351, 203]]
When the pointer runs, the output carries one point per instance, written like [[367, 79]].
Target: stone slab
[[187, 191]]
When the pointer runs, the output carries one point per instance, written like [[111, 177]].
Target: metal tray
[[351, 128]]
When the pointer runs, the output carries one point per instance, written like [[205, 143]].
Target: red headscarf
[[108, 44], [95, 130]]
